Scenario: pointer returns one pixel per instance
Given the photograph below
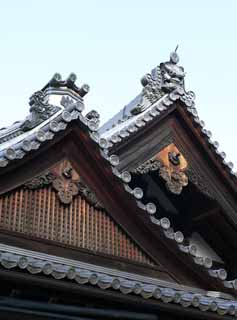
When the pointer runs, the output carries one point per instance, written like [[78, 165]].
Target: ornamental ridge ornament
[[93, 115], [40, 110], [166, 78]]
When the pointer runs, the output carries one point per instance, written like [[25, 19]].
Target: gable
[[194, 193], [201, 168], [198, 193], [58, 206]]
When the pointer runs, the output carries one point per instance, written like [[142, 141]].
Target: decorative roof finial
[[40, 110], [174, 58], [69, 83], [166, 78]]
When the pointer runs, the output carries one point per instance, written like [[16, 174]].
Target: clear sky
[[111, 44]]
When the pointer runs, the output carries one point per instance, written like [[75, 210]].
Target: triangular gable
[[165, 120], [41, 206], [58, 206], [160, 136]]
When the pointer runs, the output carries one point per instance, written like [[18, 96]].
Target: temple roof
[[155, 101], [162, 88], [52, 110]]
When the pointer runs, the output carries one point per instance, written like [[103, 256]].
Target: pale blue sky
[[111, 44]]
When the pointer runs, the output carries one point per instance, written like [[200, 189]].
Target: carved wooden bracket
[[40, 181], [66, 182], [175, 171], [66, 190], [170, 164], [152, 164], [86, 193], [175, 180]]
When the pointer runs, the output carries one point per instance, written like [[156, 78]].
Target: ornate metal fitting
[[67, 172], [174, 158], [40, 110]]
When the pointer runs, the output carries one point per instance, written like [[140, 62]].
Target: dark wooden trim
[[62, 250], [204, 215]]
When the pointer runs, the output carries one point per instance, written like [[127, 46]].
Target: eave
[[74, 276]]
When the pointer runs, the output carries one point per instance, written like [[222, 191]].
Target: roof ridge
[[41, 109]]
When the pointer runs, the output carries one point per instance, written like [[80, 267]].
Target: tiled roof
[[126, 123], [45, 119], [18, 148], [105, 278]]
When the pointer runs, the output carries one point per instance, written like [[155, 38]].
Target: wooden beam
[[205, 215], [74, 291]]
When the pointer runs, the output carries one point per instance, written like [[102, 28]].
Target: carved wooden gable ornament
[[67, 182], [171, 165]]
